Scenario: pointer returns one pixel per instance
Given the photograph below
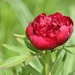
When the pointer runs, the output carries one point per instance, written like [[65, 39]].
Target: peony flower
[[48, 32]]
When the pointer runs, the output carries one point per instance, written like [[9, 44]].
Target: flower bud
[[48, 32]]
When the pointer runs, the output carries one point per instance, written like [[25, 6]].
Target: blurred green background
[[16, 14]]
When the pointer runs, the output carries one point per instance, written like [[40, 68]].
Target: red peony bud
[[48, 32]]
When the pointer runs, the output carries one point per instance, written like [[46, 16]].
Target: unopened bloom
[[48, 32]]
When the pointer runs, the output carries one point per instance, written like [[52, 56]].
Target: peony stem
[[46, 63]]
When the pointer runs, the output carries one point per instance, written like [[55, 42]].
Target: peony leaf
[[34, 67], [53, 55], [10, 62], [69, 63], [35, 63], [58, 64], [72, 73], [17, 49], [2, 72], [21, 41], [70, 49], [19, 68], [19, 36], [28, 59], [26, 44], [8, 72], [29, 70], [55, 69], [30, 46]]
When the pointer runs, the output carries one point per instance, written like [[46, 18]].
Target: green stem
[[46, 63]]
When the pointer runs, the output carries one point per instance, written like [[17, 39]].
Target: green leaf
[[30, 46], [10, 62], [70, 49], [72, 73], [29, 70], [58, 64], [17, 49], [28, 59], [19, 36], [8, 72], [53, 55], [2, 72], [21, 41], [57, 67], [35, 63], [19, 68], [69, 64], [25, 71]]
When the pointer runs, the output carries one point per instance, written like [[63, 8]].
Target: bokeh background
[[16, 14]]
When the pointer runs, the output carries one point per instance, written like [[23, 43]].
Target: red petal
[[63, 35], [29, 30], [42, 43]]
